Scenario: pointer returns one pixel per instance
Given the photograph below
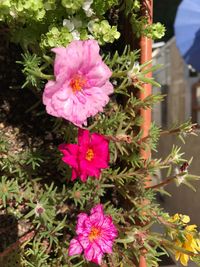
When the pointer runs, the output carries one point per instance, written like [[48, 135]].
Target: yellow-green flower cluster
[[104, 32]]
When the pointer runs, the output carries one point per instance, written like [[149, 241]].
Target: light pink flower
[[95, 235], [81, 85], [88, 157]]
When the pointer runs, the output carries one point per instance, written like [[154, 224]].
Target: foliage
[[35, 184]]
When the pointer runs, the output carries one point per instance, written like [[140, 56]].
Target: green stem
[[164, 183], [119, 74], [41, 75]]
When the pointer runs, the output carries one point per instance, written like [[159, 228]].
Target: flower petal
[[97, 208], [84, 241], [74, 247], [82, 224], [93, 253], [83, 137], [70, 154], [105, 245], [98, 75]]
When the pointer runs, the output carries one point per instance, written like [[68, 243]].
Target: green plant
[[35, 184]]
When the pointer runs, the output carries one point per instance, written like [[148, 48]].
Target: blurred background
[[180, 81]]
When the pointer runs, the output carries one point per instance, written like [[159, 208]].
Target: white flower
[[134, 71], [68, 24], [71, 25], [87, 4], [87, 8], [179, 178], [90, 25], [90, 36], [13, 14], [89, 12], [76, 35]]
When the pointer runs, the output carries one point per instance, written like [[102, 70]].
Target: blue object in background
[[187, 32]]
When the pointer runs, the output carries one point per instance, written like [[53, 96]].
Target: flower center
[[77, 83], [94, 233], [89, 154]]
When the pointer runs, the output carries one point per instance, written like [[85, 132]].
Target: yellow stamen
[[94, 233], [89, 154], [77, 83]]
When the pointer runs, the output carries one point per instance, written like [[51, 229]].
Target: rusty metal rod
[[146, 55]]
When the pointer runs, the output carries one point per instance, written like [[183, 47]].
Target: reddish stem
[[142, 262]]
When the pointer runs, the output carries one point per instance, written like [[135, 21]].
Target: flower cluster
[[187, 239], [88, 157], [80, 90], [190, 243], [95, 235]]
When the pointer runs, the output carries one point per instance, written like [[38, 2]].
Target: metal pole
[[146, 55], [142, 261]]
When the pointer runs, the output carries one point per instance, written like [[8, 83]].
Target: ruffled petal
[[70, 55], [83, 176], [97, 208], [105, 245], [91, 55], [93, 253], [98, 75], [82, 227], [75, 174], [97, 218], [83, 137], [87, 168], [74, 247], [84, 241], [70, 154]]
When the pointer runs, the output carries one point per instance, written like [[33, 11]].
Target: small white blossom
[[134, 71], [68, 24], [76, 35], [89, 12], [90, 26], [180, 178], [90, 36], [87, 4], [71, 25], [87, 8], [13, 14]]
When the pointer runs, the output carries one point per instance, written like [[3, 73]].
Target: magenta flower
[[88, 157], [95, 235], [81, 85]]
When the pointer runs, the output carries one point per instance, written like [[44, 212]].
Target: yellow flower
[[174, 218], [185, 218], [179, 218], [188, 239], [191, 228], [191, 244]]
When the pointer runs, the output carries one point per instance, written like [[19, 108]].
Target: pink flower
[[88, 157], [81, 85], [95, 235]]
